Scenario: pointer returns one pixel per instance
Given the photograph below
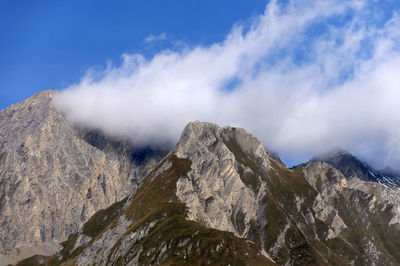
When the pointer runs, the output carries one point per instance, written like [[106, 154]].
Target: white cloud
[[302, 83], [155, 38]]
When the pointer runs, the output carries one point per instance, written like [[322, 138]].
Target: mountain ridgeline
[[351, 167], [73, 196]]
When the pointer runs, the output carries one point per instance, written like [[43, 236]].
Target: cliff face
[[219, 197], [53, 177]]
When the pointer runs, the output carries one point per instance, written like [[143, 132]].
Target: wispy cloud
[[304, 77], [155, 38]]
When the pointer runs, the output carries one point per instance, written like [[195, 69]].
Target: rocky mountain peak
[[389, 171], [26, 118], [47, 94], [352, 167], [203, 134], [225, 178], [349, 165], [53, 177], [40, 103], [334, 155]]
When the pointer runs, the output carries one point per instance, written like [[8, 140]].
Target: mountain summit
[[54, 177], [351, 167]]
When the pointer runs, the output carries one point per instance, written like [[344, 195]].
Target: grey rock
[[53, 179], [215, 193], [98, 250]]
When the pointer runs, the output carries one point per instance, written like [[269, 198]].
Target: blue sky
[[48, 44], [304, 76]]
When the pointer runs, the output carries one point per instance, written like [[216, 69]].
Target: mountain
[[220, 198], [74, 196], [352, 167], [54, 177]]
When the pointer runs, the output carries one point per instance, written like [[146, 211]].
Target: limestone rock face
[[53, 177], [220, 191]]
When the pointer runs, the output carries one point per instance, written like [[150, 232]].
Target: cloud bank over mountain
[[304, 77]]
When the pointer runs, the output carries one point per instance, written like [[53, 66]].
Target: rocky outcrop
[[54, 177], [222, 191]]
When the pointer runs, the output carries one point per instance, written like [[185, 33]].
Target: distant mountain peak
[[352, 167], [236, 140], [389, 171], [334, 153]]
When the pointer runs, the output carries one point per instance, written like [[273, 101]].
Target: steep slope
[[298, 216], [53, 178], [352, 167], [219, 187], [153, 230]]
